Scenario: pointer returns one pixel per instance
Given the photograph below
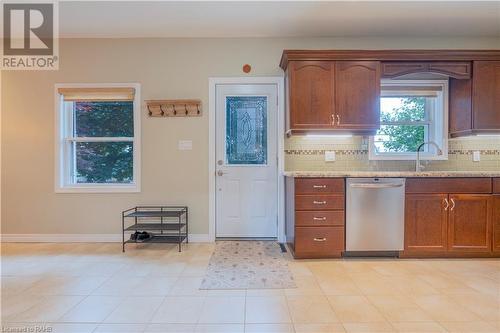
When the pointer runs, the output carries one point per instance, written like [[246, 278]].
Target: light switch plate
[[476, 156], [185, 145], [329, 156]]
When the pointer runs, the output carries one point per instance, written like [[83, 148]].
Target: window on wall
[[98, 138], [411, 112]]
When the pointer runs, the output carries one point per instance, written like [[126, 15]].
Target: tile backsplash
[[303, 153]]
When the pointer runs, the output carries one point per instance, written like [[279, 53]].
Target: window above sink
[[411, 112]]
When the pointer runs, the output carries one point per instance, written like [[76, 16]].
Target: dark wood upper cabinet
[[426, 221], [333, 96], [470, 223], [357, 95], [474, 103], [454, 69], [311, 85], [339, 90], [460, 107], [486, 96]]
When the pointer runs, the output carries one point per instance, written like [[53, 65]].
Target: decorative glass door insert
[[246, 130]]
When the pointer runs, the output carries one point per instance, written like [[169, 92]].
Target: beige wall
[[166, 68]]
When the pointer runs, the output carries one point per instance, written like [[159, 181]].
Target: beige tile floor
[[96, 288]]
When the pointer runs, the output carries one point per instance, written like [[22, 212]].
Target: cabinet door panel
[[426, 220], [460, 107], [496, 223], [399, 68], [311, 94], [357, 94], [486, 95], [455, 69], [470, 222]]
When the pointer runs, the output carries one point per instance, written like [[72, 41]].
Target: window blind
[[410, 91], [97, 94]]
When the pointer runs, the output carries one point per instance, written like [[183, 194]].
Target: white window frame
[[441, 125], [63, 174]]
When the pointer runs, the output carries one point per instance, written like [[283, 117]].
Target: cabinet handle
[[319, 186], [447, 204], [319, 239], [319, 202], [322, 218], [333, 119], [453, 202], [338, 120]]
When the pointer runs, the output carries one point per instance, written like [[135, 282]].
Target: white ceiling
[[278, 19]]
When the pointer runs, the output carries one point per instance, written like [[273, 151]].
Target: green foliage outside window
[[104, 162], [403, 138]]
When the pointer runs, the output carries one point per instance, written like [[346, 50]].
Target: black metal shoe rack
[[166, 224]]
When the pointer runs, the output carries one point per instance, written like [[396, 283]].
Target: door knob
[[220, 173]]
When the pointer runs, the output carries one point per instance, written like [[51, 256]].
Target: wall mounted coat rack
[[174, 108]]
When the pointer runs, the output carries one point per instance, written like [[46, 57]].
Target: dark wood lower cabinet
[[470, 223], [319, 242], [426, 220], [444, 217], [452, 225], [496, 224], [315, 217]]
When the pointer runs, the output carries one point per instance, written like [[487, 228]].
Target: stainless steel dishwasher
[[375, 216]]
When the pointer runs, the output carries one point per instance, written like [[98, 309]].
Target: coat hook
[[185, 108], [149, 110], [162, 112], [175, 111]]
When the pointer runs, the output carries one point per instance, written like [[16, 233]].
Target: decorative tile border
[[322, 152], [488, 152], [470, 151]]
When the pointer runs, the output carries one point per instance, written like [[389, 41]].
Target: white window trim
[[61, 183], [444, 130]]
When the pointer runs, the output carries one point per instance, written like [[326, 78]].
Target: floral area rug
[[248, 265]]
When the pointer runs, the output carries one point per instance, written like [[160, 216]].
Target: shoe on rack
[[134, 236], [143, 236]]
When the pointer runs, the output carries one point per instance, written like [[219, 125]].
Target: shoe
[[134, 235], [143, 236]]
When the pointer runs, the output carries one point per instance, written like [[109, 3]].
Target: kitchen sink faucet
[[419, 167]]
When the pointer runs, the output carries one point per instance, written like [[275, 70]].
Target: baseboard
[[199, 238], [81, 238]]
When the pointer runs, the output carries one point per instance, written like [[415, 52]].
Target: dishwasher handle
[[376, 186]]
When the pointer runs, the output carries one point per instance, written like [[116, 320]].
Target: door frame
[[279, 82]]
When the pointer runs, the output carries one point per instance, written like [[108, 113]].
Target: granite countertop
[[401, 174]]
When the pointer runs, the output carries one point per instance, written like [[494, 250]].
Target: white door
[[246, 160]]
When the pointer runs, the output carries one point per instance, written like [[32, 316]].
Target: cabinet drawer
[[319, 242], [319, 185], [319, 202], [448, 185], [319, 218], [496, 185]]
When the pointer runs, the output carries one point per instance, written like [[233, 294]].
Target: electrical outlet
[[476, 156], [185, 145], [329, 156]]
